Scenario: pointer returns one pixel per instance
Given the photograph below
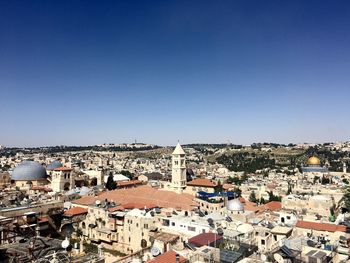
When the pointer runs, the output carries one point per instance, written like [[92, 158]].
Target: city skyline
[[85, 73]]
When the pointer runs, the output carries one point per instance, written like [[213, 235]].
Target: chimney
[[177, 258]]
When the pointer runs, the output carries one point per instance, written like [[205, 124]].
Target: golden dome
[[313, 160]]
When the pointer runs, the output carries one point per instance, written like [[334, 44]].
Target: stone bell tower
[[178, 172]]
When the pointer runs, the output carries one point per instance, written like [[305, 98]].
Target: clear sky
[[91, 72]]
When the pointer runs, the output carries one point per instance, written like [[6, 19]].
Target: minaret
[[178, 173]]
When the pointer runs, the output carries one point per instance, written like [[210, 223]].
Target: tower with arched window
[[178, 172]]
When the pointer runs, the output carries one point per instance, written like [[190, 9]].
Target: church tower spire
[[178, 173]]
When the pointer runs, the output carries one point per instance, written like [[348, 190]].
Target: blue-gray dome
[[54, 165], [29, 171]]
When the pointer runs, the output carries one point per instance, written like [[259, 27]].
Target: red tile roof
[[251, 206], [201, 182], [320, 226], [147, 195], [167, 257], [86, 200], [138, 205], [227, 186], [116, 208], [273, 205], [204, 239], [129, 183], [241, 199], [143, 195], [75, 211]]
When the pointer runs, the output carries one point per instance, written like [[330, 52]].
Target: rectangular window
[[191, 228], [166, 222]]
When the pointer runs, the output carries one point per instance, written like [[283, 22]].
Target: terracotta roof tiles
[[143, 196], [204, 239], [86, 200], [167, 257], [129, 183], [201, 182], [320, 226], [75, 211], [273, 205], [148, 195]]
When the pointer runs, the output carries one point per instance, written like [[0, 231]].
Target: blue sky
[[89, 72]]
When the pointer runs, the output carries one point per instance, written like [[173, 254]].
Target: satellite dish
[[155, 251], [65, 243], [263, 257], [278, 258]]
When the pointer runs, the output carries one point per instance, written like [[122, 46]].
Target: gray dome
[[54, 165], [235, 205], [30, 171]]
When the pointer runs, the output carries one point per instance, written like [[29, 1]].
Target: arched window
[[143, 243]]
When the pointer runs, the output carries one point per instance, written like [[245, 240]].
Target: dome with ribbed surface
[[54, 165], [29, 171]]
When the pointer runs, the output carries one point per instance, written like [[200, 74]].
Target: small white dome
[[234, 205]]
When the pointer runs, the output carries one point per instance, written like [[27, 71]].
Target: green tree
[[111, 185], [325, 180], [238, 191], [262, 200], [345, 201], [273, 197], [79, 232], [252, 197], [316, 178], [218, 187]]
